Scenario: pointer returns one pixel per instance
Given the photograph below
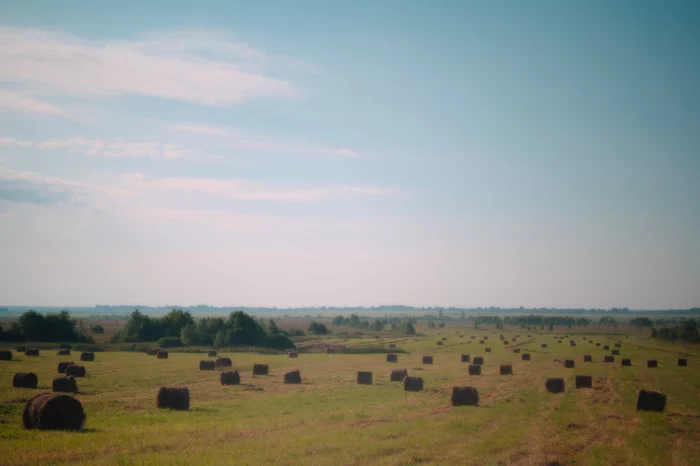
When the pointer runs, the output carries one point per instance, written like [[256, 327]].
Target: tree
[[220, 339], [317, 329], [440, 313], [377, 325], [272, 328], [97, 329], [551, 326], [188, 334]]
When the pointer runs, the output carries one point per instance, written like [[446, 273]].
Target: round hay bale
[[87, 356], [364, 378], [481, 342], [615, 352], [544, 345], [260, 369], [392, 358], [392, 345], [466, 358], [525, 357], [288, 350], [63, 352], [206, 365], [76, 371], [473, 337], [25, 380], [554, 385], [292, 377], [587, 358], [47, 411], [64, 385], [151, 352], [606, 347], [160, 354], [488, 350], [293, 354], [230, 378], [651, 401], [618, 345], [569, 363], [439, 343], [584, 381], [474, 369], [609, 359], [479, 360], [652, 363], [398, 375], [626, 362], [444, 338], [223, 362], [173, 398], [31, 352], [412, 384], [682, 362], [427, 359], [506, 342], [212, 353], [5, 355], [597, 344], [63, 365], [516, 350], [465, 396], [506, 369], [21, 349], [330, 350], [573, 344]]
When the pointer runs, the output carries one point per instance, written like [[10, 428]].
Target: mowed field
[[329, 419]]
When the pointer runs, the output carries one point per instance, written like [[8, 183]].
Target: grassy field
[[329, 419]]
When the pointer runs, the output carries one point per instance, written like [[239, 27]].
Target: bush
[[168, 342], [97, 329], [278, 342], [89, 347]]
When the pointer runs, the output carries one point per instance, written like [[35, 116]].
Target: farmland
[[329, 419]]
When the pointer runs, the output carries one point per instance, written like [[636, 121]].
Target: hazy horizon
[[328, 154]]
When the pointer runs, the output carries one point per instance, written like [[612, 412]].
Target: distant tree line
[[404, 326], [687, 331], [33, 326], [178, 327]]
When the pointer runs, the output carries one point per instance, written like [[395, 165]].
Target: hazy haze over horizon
[[363, 153]]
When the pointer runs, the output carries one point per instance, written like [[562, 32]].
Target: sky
[[315, 153]]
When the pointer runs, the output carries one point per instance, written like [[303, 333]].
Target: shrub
[[169, 342], [92, 348]]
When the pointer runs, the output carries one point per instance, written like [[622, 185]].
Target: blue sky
[[350, 153]]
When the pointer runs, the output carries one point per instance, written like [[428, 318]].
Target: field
[[329, 419]]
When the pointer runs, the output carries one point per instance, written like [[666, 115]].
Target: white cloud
[[55, 63], [247, 190], [9, 174], [26, 104], [264, 142]]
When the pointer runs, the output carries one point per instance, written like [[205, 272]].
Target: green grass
[[328, 419]]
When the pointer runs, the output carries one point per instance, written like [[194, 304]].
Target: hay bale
[[488, 350], [330, 350], [615, 352], [439, 343], [506, 369], [573, 344], [473, 337], [160, 354], [31, 352], [212, 353], [230, 378], [398, 375], [207, 365], [392, 345], [597, 344], [25, 380], [559, 342], [486, 338], [516, 351], [293, 354], [544, 345], [427, 359], [651, 401], [260, 369], [63, 352], [606, 347], [47, 411], [474, 369], [506, 342], [63, 365], [584, 381], [364, 378], [609, 359], [651, 363], [627, 362], [479, 360], [569, 363], [21, 349], [223, 362], [466, 358], [554, 385], [64, 384], [618, 345], [392, 358], [525, 357], [682, 362], [412, 384], [587, 358], [76, 371], [151, 352], [444, 338], [87, 356], [461, 336], [173, 398], [292, 377], [5, 355], [465, 396]]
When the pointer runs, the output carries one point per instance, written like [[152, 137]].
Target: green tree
[[272, 328], [188, 334], [220, 339]]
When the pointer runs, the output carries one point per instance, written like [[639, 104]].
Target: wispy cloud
[[102, 148], [247, 190], [8, 174], [23, 103], [264, 142], [165, 67]]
